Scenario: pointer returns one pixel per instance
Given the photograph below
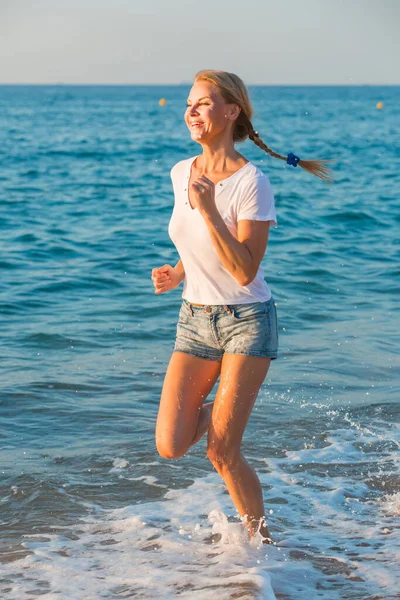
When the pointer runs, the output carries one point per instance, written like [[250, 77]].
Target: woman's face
[[207, 114]]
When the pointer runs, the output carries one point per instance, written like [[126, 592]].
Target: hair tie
[[292, 159]]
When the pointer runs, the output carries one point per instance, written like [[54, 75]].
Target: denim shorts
[[210, 331]]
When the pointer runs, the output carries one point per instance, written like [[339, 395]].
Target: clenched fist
[[165, 279]]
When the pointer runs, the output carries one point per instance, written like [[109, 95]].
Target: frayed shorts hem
[[199, 354], [271, 355]]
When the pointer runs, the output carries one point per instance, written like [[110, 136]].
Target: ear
[[234, 111]]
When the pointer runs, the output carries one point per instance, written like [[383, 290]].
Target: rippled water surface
[[88, 509]]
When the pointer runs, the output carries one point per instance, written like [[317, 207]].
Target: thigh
[[240, 381], [188, 381]]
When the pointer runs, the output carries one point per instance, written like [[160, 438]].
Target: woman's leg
[[187, 383], [240, 380]]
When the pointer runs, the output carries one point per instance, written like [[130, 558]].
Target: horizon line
[[186, 83]]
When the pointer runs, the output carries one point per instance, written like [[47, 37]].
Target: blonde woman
[[227, 327]]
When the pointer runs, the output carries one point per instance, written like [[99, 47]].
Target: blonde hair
[[234, 91]]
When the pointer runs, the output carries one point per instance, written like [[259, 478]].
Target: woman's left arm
[[241, 256]]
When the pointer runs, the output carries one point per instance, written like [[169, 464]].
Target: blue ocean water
[[88, 509]]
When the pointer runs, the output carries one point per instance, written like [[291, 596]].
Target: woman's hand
[[203, 193], [165, 278]]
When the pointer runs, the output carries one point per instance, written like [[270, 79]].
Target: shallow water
[[88, 509]]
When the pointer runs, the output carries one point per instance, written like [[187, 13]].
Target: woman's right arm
[[167, 278]]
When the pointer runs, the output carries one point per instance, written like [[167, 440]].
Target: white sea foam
[[157, 550], [391, 504], [120, 463], [333, 533]]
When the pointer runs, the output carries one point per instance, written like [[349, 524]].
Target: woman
[[227, 325]]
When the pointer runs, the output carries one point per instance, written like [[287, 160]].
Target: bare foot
[[262, 529], [203, 422]]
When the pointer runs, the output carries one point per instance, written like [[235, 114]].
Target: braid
[[253, 135], [315, 167]]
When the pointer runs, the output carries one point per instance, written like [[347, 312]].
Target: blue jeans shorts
[[210, 331]]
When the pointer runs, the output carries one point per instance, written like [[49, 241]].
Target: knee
[[168, 450], [222, 457]]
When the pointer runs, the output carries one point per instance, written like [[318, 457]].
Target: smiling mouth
[[193, 125]]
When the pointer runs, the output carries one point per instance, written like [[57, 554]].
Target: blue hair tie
[[292, 159]]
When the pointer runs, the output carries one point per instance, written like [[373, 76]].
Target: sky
[[270, 42]]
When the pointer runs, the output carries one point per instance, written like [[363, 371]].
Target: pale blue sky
[[167, 41]]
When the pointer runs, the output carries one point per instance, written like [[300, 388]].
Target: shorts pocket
[[249, 312]]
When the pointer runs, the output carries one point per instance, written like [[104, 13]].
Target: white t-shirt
[[246, 194]]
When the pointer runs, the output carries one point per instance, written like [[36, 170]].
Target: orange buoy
[[162, 102], [379, 105]]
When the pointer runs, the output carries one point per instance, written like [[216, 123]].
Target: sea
[[88, 508]]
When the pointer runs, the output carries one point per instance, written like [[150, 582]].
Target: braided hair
[[234, 91]]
